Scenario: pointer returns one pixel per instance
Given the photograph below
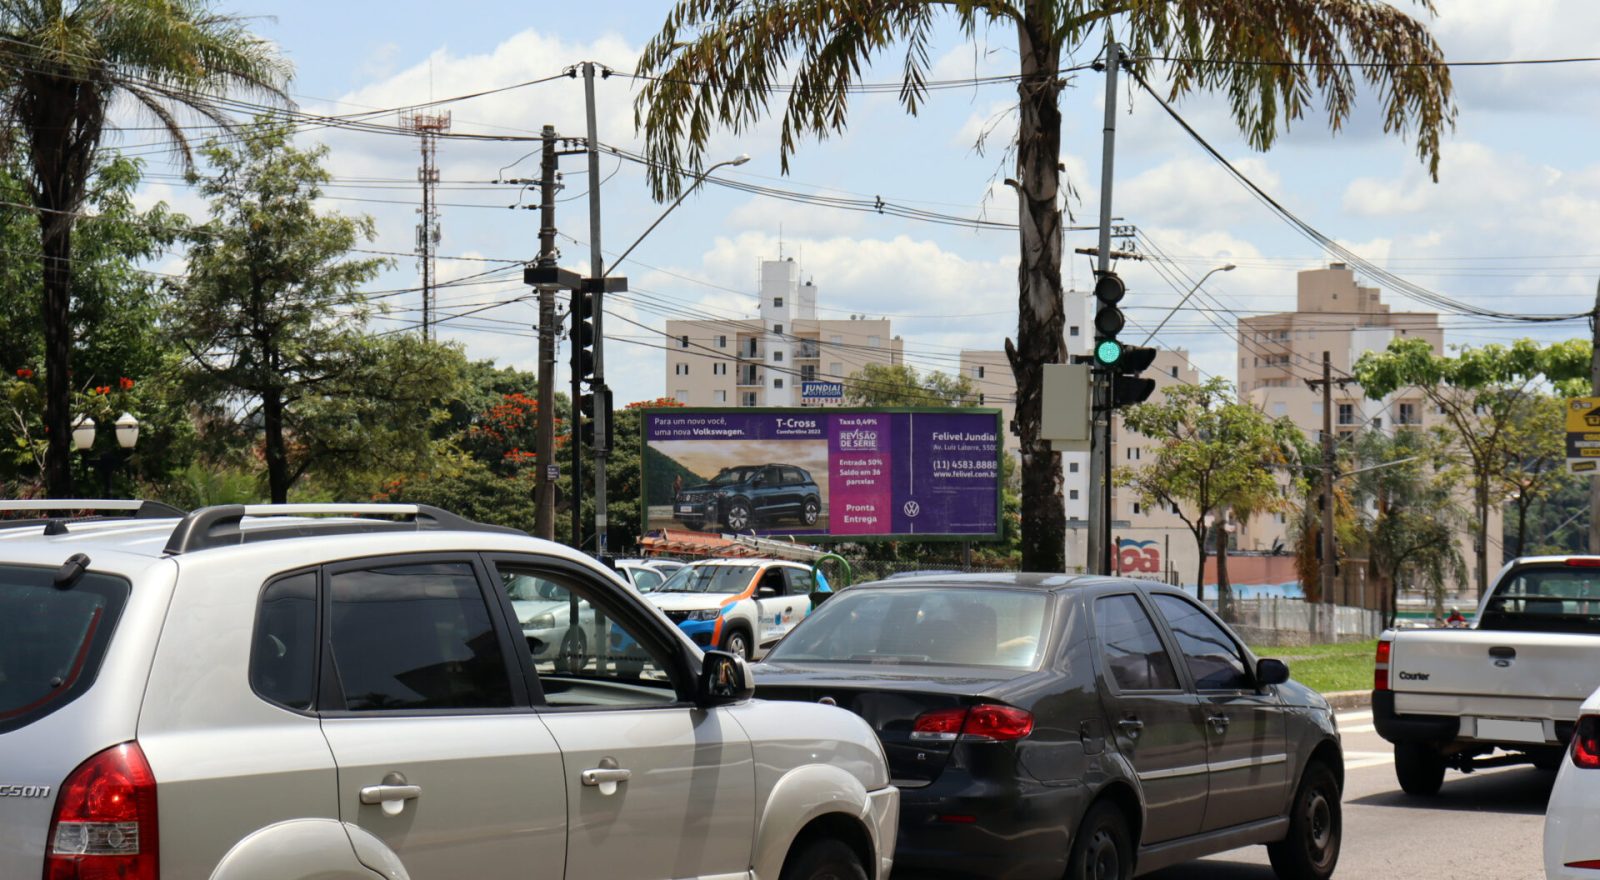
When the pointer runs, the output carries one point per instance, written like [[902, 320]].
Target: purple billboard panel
[[840, 473]]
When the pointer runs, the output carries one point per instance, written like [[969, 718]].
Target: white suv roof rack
[[220, 526]]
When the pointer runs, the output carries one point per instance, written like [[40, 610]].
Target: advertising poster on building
[[824, 473]]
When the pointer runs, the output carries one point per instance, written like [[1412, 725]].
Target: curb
[[1341, 700]]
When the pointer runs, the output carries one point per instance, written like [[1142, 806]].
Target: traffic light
[[587, 404], [1108, 320], [582, 336], [1127, 386]]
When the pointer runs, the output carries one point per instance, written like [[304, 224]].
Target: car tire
[[1103, 847], [737, 641], [809, 511], [823, 859], [737, 516], [1419, 768], [573, 654], [1310, 851]]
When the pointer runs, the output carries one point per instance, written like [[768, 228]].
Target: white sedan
[[1572, 820]]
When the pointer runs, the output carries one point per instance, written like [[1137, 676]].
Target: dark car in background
[[746, 496], [1041, 726]]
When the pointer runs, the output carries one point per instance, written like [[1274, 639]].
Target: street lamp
[[83, 434], [1227, 267], [127, 433]]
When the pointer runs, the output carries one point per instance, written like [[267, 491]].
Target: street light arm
[[1226, 268], [699, 179]]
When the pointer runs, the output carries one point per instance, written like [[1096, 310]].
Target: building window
[[683, 342], [681, 395], [777, 383], [1377, 423], [777, 357], [777, 329], [722, 342], [835, 339], [978, 371], [1173, 371], [874, 341], [980, 398], [1175, 509], [1073, 330], [680, 369], [808, 372], [1137, 508], [1133, 453], [719, 368], [1283, 519], [1408, 415], [1072, 467], [836, 370], [719, 396], [752, 346], [1072, 494], [777, 302], [1347, 414], [749, 399]]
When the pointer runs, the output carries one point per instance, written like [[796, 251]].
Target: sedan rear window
[[51, 640], [1546, 598], [938, 626]]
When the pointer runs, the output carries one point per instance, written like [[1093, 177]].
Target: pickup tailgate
[[1547, 667]]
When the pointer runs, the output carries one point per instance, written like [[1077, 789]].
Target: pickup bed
[[1506, 691]]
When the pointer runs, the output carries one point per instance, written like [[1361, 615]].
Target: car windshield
[[733, 476], [1546, 598], [709, 579], [51, 640], [941, 626]]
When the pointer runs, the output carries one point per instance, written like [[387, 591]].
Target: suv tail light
[[104, 825], [985, 722], [1586, 743], [1380, 666]]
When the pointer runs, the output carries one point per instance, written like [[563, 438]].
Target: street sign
[[1583, 435], [821, 390], [552, 472]]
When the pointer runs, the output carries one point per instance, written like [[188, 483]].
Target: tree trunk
[[1200, 579], [1224, 587], [1523, 503], [1040, 317], [56, 314], [277, 455], [1482, 504]]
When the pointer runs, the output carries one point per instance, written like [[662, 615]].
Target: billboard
[[840, 474], [1583, 435]]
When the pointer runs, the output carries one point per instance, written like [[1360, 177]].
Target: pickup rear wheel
[[1419, 767], [824, 858], [1310, 850]]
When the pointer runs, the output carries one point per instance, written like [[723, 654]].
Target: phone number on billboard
[[977, 468]]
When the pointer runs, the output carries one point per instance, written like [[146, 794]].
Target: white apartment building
[[786, 356]]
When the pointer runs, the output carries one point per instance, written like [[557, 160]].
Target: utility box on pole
[[1066, 419]]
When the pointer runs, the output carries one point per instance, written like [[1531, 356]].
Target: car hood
[[687, 601]]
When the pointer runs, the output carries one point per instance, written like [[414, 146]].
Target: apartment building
[[1338, 318], [786, 356]]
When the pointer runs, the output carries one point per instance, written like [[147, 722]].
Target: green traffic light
[[1107, 352]]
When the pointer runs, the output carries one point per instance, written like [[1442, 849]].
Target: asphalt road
[[1488, 825]]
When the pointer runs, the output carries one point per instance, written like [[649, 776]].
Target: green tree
[[900, 385], [1535, 466], [1410, 517], [716, 63], [1215, 452], [272, 318], [1480, 394], [65, 63]]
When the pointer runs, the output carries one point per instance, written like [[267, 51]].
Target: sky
[[1510, 224]]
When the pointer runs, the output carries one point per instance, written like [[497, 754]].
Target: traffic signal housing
[[582, 336], [1127, 386], [1108, 319]]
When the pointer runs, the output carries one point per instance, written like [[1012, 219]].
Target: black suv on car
[[741, 497]]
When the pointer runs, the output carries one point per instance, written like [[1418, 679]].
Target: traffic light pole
[[597, 272], [1099, 550], [544, 503]]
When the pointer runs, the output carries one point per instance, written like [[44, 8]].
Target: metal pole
[[1594, 378], [544, 503], [1327, 488], [577, 418], [1099, 555], [597, 272]]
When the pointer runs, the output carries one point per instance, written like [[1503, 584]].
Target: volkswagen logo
[[828, 701], [912, 508]]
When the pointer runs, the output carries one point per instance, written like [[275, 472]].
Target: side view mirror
[[818, 597], [766, 592], [1269, 671], [724, 678], [758, 480]]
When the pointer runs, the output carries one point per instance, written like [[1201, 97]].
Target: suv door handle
[[606, 777], [1132, 727], [391, 795]]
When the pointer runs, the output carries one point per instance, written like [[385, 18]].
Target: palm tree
[[715, 62], [62, 65]]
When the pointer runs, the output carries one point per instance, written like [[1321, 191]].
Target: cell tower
[[428, 127]]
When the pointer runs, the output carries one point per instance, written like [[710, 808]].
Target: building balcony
[[746, 381]]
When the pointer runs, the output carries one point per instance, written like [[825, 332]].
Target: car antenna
[[71, 571]]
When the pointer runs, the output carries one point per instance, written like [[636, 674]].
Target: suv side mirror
[[1269, 671], [766, 592], [724, 678]]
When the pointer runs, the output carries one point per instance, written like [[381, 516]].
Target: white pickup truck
[[1505, 691]]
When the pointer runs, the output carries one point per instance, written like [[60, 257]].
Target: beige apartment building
[[786, 356], [1278, 353]]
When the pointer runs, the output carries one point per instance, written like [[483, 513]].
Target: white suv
[[345, 691]]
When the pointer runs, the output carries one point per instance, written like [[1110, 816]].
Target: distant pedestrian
[[1455, 618]]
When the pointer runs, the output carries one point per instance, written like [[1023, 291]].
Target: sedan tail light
[[104, 824], [1380, 666], [1586, 743], [985, 722]]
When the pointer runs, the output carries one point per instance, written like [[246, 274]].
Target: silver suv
[[346, 691]]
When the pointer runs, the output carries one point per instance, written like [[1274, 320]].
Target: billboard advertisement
[[840, 474]]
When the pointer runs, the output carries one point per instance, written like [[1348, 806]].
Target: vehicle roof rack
[[219, 526], [141, 509]]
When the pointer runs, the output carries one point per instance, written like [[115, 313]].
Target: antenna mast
[[428, 127]]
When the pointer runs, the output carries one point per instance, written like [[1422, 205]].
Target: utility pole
[[597, 273], [1100, 387], [544, 502], [1594, 378], [1326, 568]]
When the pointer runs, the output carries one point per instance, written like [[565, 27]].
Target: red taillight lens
[[984, 723], [1383, 651], [1586, 743], [1584, 561], [105, 820], [1380, 666]]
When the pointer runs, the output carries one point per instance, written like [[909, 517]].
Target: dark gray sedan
[[1042, 726]]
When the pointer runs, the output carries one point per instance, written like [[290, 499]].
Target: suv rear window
[[1546, 598], [51, 640]]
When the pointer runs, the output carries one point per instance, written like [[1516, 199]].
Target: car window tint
[[52, 641], [772, 477], [409, 637], [799, 580], [1211, 655], [793, 476], [646, 580], [283, 652], [1133, 652], [772, 579], [933, 626], [583, 655]]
